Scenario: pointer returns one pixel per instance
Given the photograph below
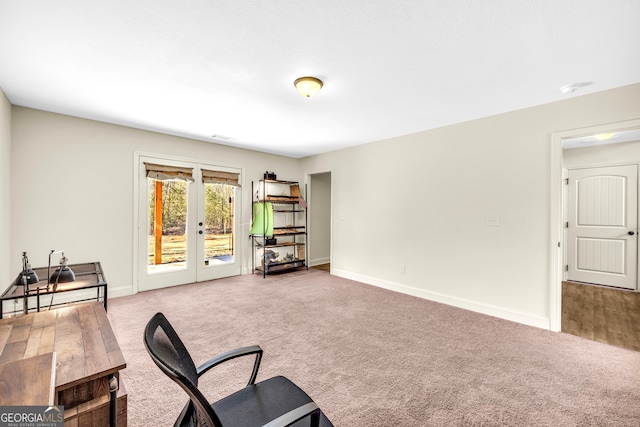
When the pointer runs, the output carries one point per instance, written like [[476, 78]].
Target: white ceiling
[[198, 68]]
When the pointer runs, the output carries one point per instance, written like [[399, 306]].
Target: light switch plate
[[492, 220]]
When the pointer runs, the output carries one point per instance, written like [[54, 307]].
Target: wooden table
[[87, 355], [28, 382]]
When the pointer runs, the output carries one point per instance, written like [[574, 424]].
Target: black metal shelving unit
[[285, 249]]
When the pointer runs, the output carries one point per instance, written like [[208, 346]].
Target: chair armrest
[[297, 414], [232, 354]]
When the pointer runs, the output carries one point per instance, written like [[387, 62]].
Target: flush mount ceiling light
[[573, 87], [308, 86]]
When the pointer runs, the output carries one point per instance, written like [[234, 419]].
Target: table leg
[[113, 400]]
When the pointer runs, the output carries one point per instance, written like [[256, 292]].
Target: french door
[[186, 222]]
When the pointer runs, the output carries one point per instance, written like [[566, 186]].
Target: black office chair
[[273, 402]]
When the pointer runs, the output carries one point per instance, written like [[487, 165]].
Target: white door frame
[[239, 244], [557, 212]]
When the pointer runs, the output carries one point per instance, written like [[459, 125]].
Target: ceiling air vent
[[222, 137]]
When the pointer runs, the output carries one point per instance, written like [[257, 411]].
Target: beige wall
[[427, 201], [464, 208], [73, 188], [7, 257]]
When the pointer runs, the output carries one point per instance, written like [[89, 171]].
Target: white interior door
[[187, 224], [603, 225]]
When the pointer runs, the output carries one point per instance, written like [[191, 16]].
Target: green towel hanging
[[262, 219]]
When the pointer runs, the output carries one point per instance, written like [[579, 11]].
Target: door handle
[[631, 233]]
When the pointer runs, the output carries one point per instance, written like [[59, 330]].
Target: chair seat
[[262, 402]]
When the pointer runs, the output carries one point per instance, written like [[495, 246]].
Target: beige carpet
[[372, 357]]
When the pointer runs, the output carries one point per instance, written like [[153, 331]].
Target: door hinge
[[566, 224], [566, 181], [566, 267]]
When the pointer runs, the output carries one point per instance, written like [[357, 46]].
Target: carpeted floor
[[372, 357]]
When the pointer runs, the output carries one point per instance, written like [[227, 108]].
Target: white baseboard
[[122, 291], [319, 261], [488, 309]]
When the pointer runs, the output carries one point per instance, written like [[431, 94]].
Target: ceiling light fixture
[[308, 86], [604, 136]]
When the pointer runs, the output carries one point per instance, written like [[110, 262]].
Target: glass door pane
[[219, 238], [167, 227]]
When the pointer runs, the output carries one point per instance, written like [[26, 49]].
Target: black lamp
[[62, 274], [27, 276]]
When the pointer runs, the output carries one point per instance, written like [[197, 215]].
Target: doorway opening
[[320, 219], [559, 198]]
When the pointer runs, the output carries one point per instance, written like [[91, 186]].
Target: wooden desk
[[87, 355], [28, 382]]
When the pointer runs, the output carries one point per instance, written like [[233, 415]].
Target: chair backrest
[[171, 356]]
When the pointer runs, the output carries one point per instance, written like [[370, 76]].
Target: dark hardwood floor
[[323, 267], [603, 314]]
